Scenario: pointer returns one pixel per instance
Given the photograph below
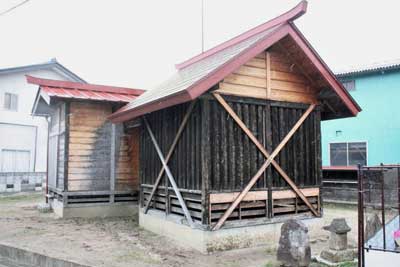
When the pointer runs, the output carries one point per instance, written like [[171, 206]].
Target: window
[[11, 101], [15, 160], [349, 85], [348, 154]]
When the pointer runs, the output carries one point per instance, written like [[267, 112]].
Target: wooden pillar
[[112, 162], [205, 160]]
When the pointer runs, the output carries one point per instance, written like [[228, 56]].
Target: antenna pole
[[202, 26]]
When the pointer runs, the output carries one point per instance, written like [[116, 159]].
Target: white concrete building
[[23, 138]]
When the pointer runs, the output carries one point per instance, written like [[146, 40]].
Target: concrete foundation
[[207, 241], [93, 210]]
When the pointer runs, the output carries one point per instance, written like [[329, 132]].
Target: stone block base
[[207, 241], [94, 210], [338, 256]]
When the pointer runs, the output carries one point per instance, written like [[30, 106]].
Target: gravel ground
[[115, 242]]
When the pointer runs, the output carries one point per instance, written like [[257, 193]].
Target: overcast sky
[[136, 43]]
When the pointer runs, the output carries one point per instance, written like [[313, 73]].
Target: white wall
[[16, 83]]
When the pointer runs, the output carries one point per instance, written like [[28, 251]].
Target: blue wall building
[[373, 137]]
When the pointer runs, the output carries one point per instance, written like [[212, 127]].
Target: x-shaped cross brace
[[269, 157], [165, 167]]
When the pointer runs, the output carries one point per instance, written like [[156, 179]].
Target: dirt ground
[[121, 242]]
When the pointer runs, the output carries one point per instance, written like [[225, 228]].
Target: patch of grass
[[269, 264], [21, 197]]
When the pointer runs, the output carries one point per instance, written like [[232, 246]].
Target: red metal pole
[[383, 206], [360, 218]]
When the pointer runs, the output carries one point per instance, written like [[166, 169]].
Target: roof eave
[[324, 70], [122, 115]]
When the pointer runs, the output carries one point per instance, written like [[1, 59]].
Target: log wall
[[215, 156]]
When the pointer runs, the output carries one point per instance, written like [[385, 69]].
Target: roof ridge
[[290, 15], [83, 86]]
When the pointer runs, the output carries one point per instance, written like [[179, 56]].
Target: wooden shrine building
[[233, 140], [92, 166]]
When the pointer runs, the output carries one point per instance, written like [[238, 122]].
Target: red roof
[[65, 89], [197, 75]]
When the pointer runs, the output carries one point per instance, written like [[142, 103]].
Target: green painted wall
[[378, 123]]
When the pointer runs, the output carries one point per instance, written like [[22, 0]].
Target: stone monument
[[294, 245]]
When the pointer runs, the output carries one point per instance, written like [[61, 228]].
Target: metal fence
[[379, 195]]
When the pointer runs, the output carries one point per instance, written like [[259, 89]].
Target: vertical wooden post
[[112, 162], [66, 144], [205, 161]]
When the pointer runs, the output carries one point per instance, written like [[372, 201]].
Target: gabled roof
[[200, 73], [73, 90], [369, 69], [52, 64]]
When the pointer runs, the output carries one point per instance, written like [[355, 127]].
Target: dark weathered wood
[[170, 152], [205, 159], [169, 174], [265, 165]]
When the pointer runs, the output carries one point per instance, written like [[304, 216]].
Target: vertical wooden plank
[[216, 147], [246, 146], [268, 140], [112, 162], [224, 148], [205, 159], [231, 152], [240, 139], [198, 146], [295, 156], [253, 149], [318, 148], [261, 139], [167, 130], [268, 73], [302, 154], [307, 150], [275, 141], [282, 134]]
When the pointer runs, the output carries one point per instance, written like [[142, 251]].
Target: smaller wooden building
[[233, 139], [92, 167]]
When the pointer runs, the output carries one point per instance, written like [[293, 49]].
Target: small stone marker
[[294, 245], [339, 230], [337, 251]]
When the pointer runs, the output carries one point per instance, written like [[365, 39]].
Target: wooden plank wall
[[89, 149], [270, 75]]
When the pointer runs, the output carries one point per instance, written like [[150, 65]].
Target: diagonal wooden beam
[[254, 179], [243, 126], [169, 174], [169, 154]]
